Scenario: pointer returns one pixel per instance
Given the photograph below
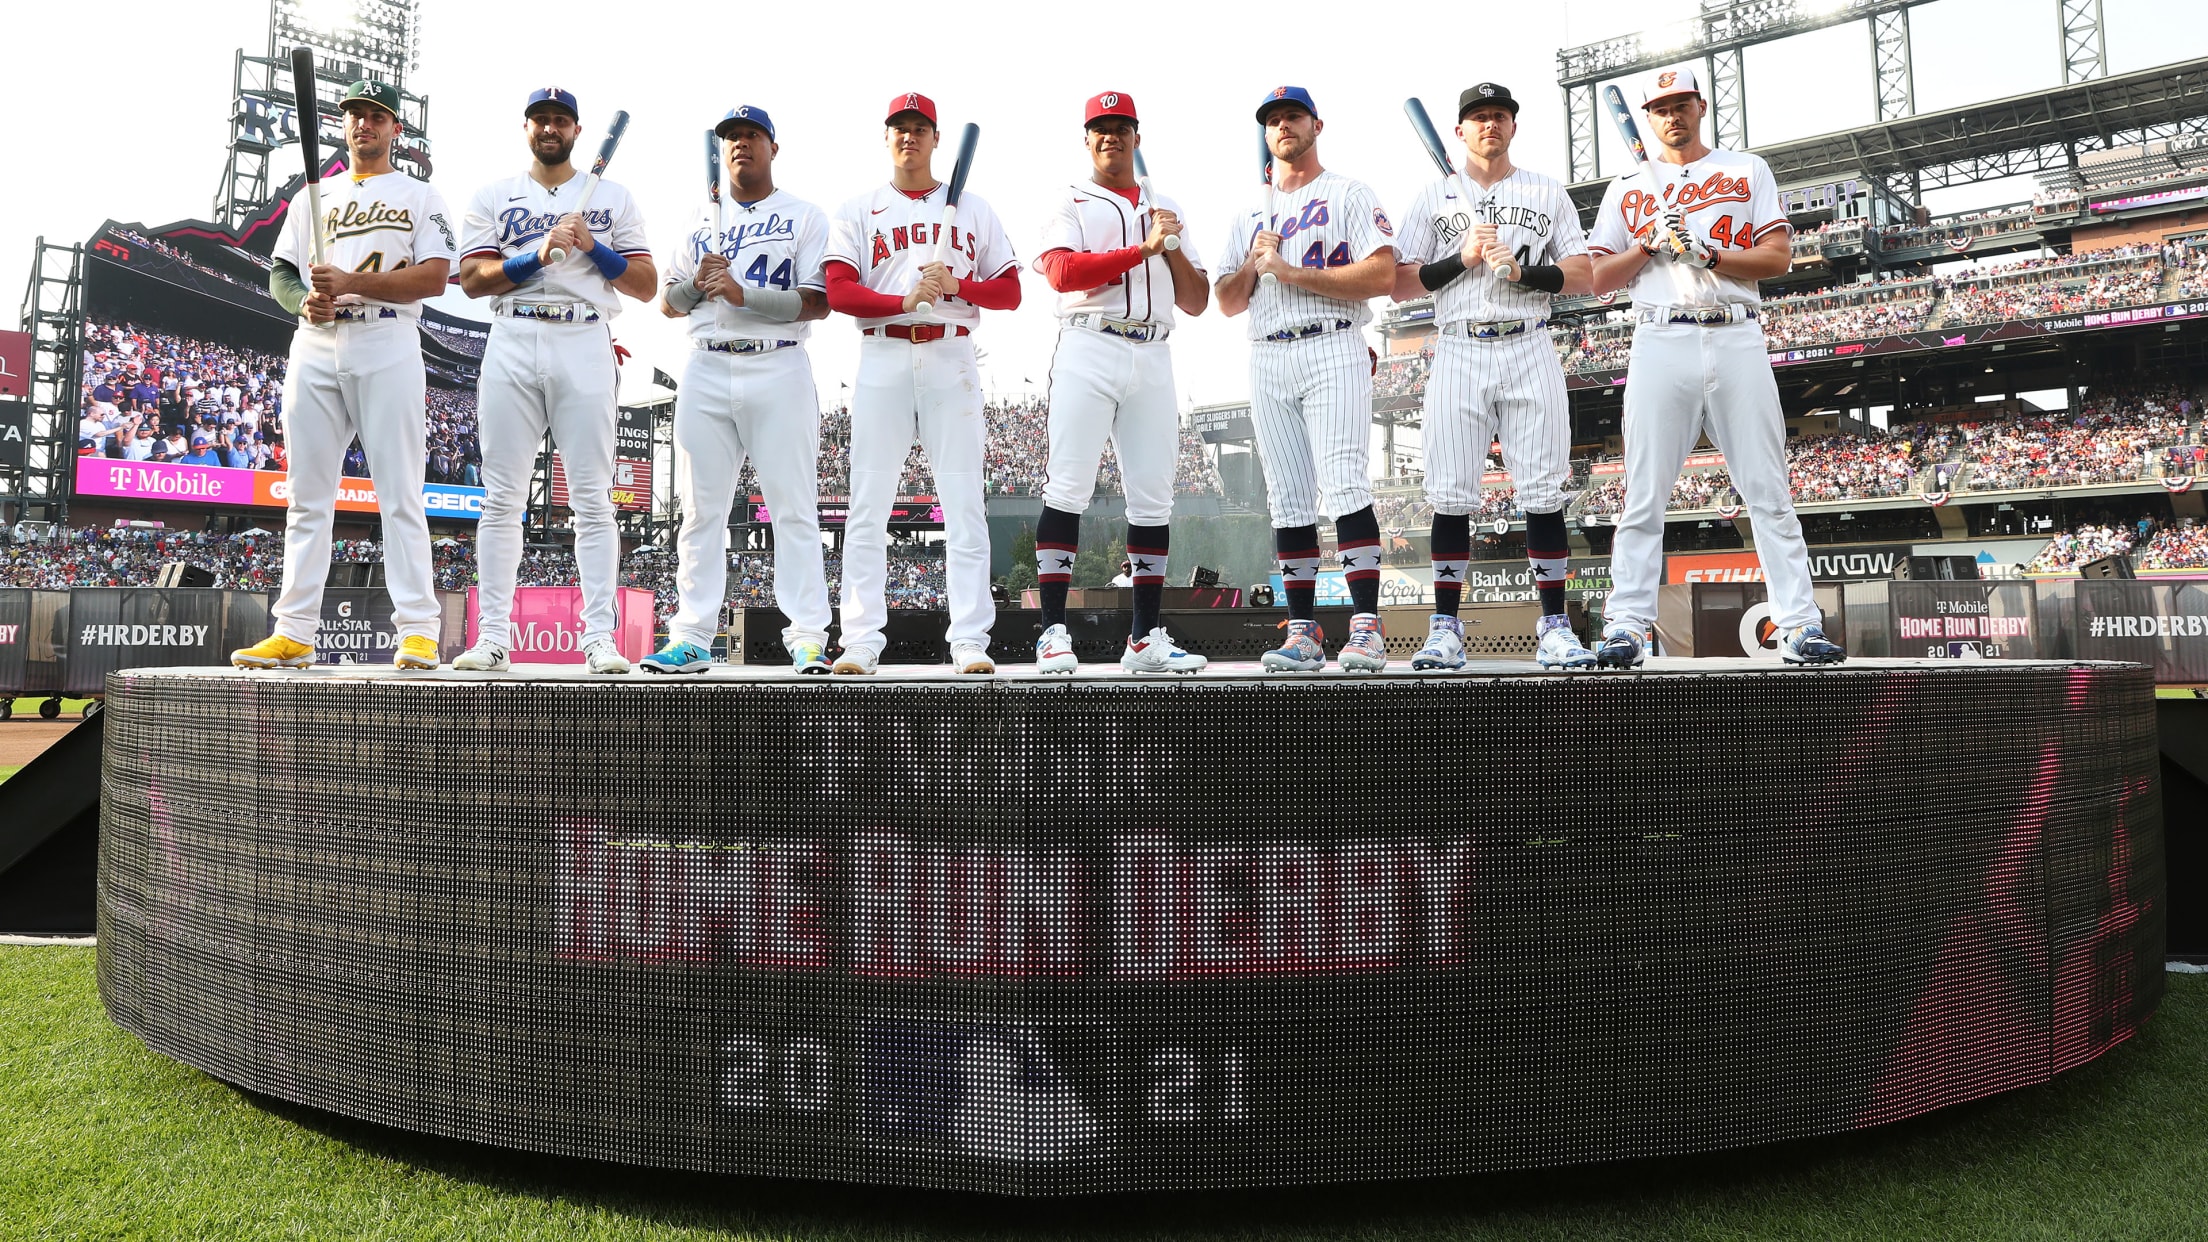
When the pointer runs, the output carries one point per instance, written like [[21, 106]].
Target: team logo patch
[[743, 110], [1380, 221], [1664, 80], [1487, 90], [1109, 101], [1280, 92], [912, 103]]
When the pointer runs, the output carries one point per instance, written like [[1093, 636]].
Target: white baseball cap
[[1664, 83]]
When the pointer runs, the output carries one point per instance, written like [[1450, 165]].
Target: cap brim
[[1669, 95], [373, 103], [891, 119], [1478, 104], [554, 105], [721, 130], [1271, 104]]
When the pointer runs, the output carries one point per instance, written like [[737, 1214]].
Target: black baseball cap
[[1485, 93]]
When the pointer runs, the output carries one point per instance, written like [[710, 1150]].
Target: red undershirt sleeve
[[1070, 271], [847, 295], [1000, 293]]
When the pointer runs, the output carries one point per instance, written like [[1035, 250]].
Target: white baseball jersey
[[1533, 216], [512, 216], [1730, 200], [1094, 219], [775, 243], [1332, 222], [887, 236], [371, 224]]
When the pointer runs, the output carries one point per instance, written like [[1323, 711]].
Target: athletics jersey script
[[887, 236], [373, 224], [1730, 199], [1095, 220], [1332, 222], [1534, 217], [775, 243], [511, 217]]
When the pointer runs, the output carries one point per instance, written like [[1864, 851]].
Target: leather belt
[[363, 314], [1126, 329], [550, 312], [1493, 330], [918, 333], [1704, 316], [744, 347], [1309, 329]]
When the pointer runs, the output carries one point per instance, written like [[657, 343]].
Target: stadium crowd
[[2056, 285], [2119, 435], [2183, 546], [2089, 542]]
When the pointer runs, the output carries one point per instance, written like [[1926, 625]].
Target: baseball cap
[[1110, 103], [199, 440], [555, 97], [910, 101], [1665, 83], [1287, 95], [1485, 93], [369, 91], [745, 114]]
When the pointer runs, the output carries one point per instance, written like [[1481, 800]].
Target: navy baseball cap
[[1287, 95], [745, 114], [554, 96]]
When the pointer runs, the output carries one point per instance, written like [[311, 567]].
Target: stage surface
[[1051, 935]]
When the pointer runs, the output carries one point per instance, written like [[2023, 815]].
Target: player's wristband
[[684, 295], [1440, 272], [1547, 277], [522, 267], [780, 305], [609, 262]]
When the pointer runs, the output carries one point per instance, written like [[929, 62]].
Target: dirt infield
[[24, 740]]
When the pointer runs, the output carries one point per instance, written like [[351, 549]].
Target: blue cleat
[[678, 657], [1300, 653], [1621, 647], [1807, 644], [808, 655]]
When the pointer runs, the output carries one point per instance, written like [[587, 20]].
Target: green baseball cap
[[382, 94]]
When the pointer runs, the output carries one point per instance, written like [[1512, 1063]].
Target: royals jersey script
[[1093, 219], [887, 236], [1729, 198], [1332, 222], [371, 224], [1535, 220], [511, 217], [775, 243]]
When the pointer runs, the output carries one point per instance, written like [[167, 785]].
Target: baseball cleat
[[483, 657], [603, 657], [1621, 647], [1559, 647], [1807, 644], [676, 657], [1156, 652], [1367, 649], [1054, 651], [857, 661], [1300, 653], [1444, 644], [274, 651], [972, 658], [416, 651], [808, 655]]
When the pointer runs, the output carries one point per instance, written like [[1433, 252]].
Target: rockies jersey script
[[1093, 219], [371, 224], [511, 217], [1730, 199], [887, 236], [775, 243], [1534, 218], [1332, 222]]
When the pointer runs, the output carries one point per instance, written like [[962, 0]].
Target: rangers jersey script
[[1332, 222], [371, 224], [511, 217], [1729, 198], [1093, 219], [775, 243], [887, 236], [1533, 216]]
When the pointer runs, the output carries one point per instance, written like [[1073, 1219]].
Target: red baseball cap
[[910, 101], [1111, 103]]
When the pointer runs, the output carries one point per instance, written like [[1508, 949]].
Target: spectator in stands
[[203, 453]]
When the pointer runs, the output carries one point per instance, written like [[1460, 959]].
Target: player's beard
[[556, 155], [368, 149]]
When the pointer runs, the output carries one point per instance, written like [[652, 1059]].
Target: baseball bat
[[1430, 138], [1265, 174], [713, 189], [597, 169], [1142, 178], [310, 141], [967, 141], [1629, 130]]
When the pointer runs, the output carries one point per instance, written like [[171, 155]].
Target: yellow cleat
[[275, 651], [416, 651]]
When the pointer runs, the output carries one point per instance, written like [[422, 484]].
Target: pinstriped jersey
[[1093, 219], [1332, 222], [1533, 216], [1731, 201], [370, 224]]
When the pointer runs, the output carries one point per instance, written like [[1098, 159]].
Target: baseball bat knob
[[1267, 279], [923, 308], [1173, 243], [554, 255]]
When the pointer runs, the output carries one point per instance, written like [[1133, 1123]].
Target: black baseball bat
[[310, 140], [967, 141]]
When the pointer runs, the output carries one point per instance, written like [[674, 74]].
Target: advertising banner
[[220, 485], [1846, 563], [115, 628], [1966, 621], [15, 364], [548, 623], [2163, 625], [914, 512], [356, 626], [15, 433], [632, 464], [1485, 582]]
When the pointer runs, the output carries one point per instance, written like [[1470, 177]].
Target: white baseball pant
[[1311, 406], [1107, 386], [1510, 387]]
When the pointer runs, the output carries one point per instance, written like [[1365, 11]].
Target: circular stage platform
[[1046, 935]]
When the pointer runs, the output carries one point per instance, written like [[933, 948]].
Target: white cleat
[[1444, 647], [857, 662], [1054, 651], [972, 658], [484, 657], [603, 657], [1156, 652], [1367, 648], [1559, 647]]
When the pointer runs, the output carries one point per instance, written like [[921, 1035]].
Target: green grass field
[[27, 709], [8, 770], [100, 1138]]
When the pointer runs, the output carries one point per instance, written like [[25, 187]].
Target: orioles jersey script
[[1093, 219], [371, 224], [1729, 198], [1534, 218], [1332, 222], [775, 243], [887, 236], [511, 217]]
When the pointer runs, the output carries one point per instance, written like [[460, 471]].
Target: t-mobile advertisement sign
[[547, 624], [221, 485]]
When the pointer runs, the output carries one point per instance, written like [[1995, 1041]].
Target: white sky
[[119, 109]]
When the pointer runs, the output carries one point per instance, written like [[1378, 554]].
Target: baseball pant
[[1680, 379], [343, 380], [932, 389], [1478, 390], [1101, 386], [539, 375], [759, 405], [1311, 406]]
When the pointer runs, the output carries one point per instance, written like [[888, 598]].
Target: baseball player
[[1691, 235], [550, 364], [1492, 246], [916, 375], [1104, 252], [1328, 245], [356, 370], [748, 281]]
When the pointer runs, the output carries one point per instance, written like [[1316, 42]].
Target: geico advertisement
[[220, 485]]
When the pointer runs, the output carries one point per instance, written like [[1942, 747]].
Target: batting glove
[[1693, 250]]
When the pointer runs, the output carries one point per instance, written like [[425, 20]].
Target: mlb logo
[[1966, 651]]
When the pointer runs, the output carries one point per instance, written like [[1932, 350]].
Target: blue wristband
[[521, 267], [610, 262]]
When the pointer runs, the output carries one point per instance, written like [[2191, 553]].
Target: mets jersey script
[[371, 224], [1533, 216], [775, 243], [511, 217], [1729, 198], [887, 236], [1332, 222], [1093, 219]]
